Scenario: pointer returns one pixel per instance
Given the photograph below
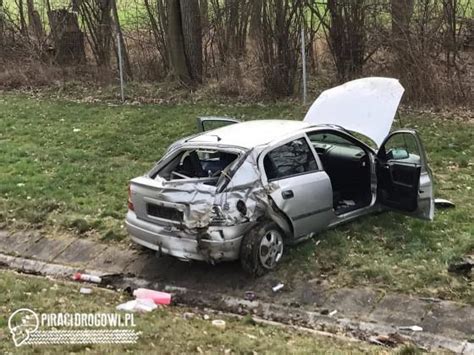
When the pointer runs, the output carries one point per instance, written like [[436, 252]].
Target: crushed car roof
[[250, 133]]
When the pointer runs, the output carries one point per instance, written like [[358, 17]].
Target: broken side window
[[289, 159]]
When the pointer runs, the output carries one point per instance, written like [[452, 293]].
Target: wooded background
[[243, 47]]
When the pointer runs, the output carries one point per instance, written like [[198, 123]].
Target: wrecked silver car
[[245, 190]]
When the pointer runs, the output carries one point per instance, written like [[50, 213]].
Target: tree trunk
[[68, 38], [402, 11], [176, 43], [347, 37], [2, 25], [255, 28], [104, 31], [21, 13], [34, 21], [204, 9], [126, 59], [192, 36]]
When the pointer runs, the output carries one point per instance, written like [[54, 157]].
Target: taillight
[[130, 203]]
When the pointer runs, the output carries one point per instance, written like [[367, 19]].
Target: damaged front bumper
[[220, 243]]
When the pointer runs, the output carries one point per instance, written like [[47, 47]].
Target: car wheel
[[261, 249]]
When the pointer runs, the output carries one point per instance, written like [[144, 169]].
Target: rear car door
[[404, 179], [212, 122], [298, 185]]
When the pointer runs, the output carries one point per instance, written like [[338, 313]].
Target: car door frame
[[304, 223], [423, 180], [200, 121]]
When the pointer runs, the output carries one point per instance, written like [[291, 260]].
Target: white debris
[[219, 323], [139, 305], [85, 290], [414, 328], [278, 287]]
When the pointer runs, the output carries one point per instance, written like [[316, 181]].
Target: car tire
[[261, 248]]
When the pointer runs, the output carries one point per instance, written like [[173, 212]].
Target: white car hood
[[366, 106]]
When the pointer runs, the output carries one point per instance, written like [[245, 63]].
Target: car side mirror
[[397, 154]]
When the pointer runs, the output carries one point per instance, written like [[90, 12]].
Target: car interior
[[205, 164], [348, 167]]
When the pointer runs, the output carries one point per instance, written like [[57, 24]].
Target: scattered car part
[[443, 203], [250, 295], [85, 290], [156, 296], [277, 287], [86, 277], [414, 328], [138, 305], [219, 323], [462, 266]]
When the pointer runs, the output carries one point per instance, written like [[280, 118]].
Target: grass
[[65, 168], [164, 330]]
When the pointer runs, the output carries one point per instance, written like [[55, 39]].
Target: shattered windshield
[[197, 163]]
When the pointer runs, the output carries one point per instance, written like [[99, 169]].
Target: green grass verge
[[65, 167], [164, 330]]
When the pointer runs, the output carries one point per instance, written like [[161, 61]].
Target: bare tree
[[34, 20], [98, 20], [68, 37], [279, 44], [2, 24], [176, 42], [192, 36], [118, 29], [21, 14], [204, 9], [255, 26], [158, 18]]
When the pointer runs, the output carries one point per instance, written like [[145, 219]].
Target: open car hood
[[366, 106]]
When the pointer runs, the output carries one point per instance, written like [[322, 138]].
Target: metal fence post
[[119, 47], [303, 63]]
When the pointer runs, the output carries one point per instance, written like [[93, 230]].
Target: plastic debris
[[219, 323], [462, 266], [188, 315], [414, 328], [391, 340], [278, 287], [250, 295], [157, 296], [443, 203], [332, 313], [139, 305], [85, 291], [86, 277]]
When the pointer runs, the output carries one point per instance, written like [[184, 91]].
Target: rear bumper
[[220, 243]]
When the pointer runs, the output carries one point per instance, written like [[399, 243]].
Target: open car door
[[404, 180], [211, 122]]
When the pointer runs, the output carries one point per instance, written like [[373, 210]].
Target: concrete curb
[[268, 311]]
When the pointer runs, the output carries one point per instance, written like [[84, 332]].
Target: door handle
[[287, 194]]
